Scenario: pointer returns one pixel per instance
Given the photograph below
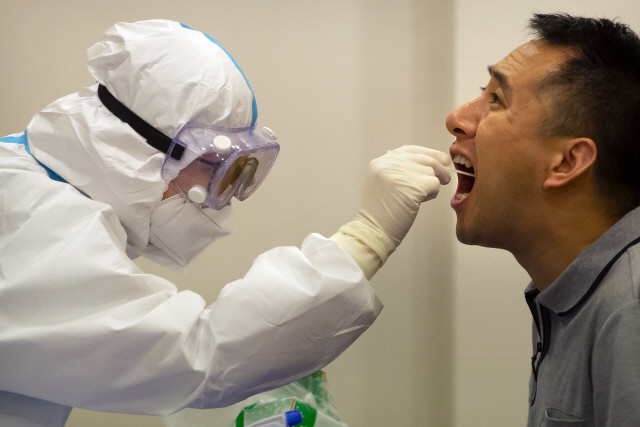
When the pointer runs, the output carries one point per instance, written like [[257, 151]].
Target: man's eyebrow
[[501, 78]]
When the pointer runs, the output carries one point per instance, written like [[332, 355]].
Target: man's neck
[[564, 238]]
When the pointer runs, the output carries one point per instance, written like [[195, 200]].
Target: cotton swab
[[460, 172]]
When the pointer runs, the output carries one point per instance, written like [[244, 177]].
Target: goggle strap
[[154, 137]]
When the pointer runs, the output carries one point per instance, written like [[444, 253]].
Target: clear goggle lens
[[236, 172]]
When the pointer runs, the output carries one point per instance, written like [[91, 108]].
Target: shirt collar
[[576, 281]]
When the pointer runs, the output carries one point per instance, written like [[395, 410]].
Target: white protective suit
[[80, 324]]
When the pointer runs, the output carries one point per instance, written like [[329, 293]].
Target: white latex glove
[[397, 183]]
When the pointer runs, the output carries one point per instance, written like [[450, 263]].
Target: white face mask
[[182, 229]]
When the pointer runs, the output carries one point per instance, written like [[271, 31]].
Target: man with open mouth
[[552, 142]]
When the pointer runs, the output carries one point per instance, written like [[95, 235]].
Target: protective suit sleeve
[[81, 325]]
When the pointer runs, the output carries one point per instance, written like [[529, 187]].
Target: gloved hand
[[397, 183]]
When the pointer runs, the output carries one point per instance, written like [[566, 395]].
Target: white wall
[[340, 82], [492, 321]]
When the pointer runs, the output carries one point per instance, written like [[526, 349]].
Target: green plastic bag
[[309, 395]]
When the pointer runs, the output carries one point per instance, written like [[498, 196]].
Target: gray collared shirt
[[586, 336]]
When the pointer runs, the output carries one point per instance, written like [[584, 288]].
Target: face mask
[[182, 229]]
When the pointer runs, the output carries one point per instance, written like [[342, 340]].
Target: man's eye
[[494, 98]]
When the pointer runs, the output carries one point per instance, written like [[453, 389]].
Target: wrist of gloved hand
[[366, 244]]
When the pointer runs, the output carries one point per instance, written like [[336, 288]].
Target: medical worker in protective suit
[[145, 163]]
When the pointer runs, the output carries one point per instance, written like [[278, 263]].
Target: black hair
[[596, 94]]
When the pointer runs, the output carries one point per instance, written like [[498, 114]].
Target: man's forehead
[[530, 61]]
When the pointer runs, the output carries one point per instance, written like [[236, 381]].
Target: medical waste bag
[[310, 395]]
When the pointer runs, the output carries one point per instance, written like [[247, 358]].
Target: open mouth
[[465, 182]]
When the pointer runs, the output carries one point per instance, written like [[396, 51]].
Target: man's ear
[[574, 157]]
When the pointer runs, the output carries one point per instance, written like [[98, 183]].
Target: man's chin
[[468, 236], [466, 241], [463, 235], [474, 237]]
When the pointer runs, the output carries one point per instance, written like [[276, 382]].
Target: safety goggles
[[207, 164], [218, 163]]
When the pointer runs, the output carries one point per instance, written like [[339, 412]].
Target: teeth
[[460, 159], [461, 196]]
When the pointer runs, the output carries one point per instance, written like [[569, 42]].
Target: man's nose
[[463, 121]]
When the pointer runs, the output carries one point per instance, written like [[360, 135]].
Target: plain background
[[340, 82]]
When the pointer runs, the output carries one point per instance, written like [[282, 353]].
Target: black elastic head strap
[[154, 137]]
